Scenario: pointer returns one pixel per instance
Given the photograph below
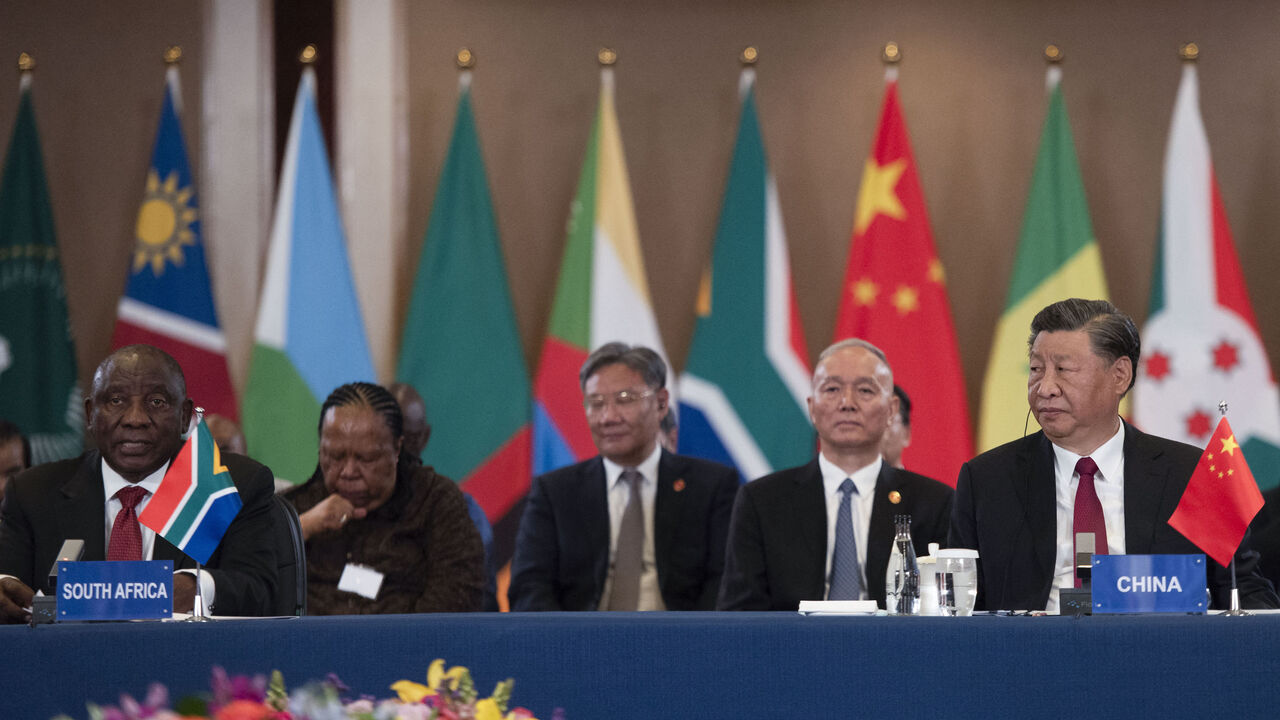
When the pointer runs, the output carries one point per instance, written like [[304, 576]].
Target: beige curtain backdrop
[[972, 88]]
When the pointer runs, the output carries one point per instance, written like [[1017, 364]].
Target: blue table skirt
[[691, 665]]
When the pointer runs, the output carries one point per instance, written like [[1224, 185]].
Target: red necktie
[[126, 534], [1088, 510]]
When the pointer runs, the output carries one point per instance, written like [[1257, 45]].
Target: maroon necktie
[[126, 534], [1088, 510]]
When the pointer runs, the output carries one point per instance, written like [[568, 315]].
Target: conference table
[[599, 666]]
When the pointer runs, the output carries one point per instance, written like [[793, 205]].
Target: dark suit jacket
[[1006, 509], [778, 536], [562, 549], [65, 500]]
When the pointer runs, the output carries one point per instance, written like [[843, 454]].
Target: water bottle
[[902, 579]]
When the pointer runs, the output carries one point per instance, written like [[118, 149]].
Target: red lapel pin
[[895, 497], [678, 485]]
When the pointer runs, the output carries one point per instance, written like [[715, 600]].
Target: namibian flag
[[196, 501]]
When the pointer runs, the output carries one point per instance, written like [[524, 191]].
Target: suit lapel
[[1146, 478], [668, 506], [1036, 487], [880, 531], [809, 514], [82, 514], [593, 508]]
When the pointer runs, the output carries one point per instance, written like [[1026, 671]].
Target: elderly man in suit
[[824, 530], [634, 528], [1087, 470], [138, 409]]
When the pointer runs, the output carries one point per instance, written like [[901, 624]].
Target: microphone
[[44, 608], [1079, 601], [71, 551]]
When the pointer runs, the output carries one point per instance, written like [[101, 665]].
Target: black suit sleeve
[[963, 532], [1256, 592], [244, 566], [533, 569], [745, 585], [717, 536], [17, 552]]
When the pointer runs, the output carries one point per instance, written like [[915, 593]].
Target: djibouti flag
[[310, 335], [196, 501]]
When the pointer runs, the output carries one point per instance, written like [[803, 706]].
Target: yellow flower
[[412, 692], [436, 673], [487, 709]]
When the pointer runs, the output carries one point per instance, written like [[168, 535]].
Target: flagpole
[[1234, 610], [747, 58], [197, 608], [1053, 56], [26, 67], [891, 56]]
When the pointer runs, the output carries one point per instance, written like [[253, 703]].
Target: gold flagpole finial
[[892, 54], [26, 63], [308, 55], [750, 55], [1190, 52], [607, 57], [466, 59], [173, 55], [1053, 54]]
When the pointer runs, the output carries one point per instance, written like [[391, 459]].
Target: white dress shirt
[[1109, 484], [618, 494], [864, 479], [112, 482]]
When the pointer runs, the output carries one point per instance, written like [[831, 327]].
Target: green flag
[[1057, 258], [38, 376], [461, 349]]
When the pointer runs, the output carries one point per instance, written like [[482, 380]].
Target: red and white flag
[[1200, 345]]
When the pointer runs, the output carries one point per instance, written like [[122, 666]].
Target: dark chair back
[[291, 554]]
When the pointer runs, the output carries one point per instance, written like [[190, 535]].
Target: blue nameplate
[[1149, 584], [121, 590]]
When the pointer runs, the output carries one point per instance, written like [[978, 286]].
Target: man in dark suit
[[785, 536], [1020, 504], [137, 410], [634, 528]]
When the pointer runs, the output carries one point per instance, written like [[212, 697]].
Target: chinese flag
[[895, 296], [1220, 500]]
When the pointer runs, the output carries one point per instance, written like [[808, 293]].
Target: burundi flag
[[1201, 345], [602, 294], [1057, 259], [310, 336], [38, 389], [196, 501], [743, 389], [461, 348], [895, 296], [169, 302]]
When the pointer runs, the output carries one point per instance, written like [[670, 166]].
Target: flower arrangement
[[447, 695]]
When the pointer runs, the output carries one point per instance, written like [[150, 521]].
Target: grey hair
[[649, 364], [852, 343]]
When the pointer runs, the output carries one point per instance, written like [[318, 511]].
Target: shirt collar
[[864, 479], [648, 467], [112, 481], [1109, 457]]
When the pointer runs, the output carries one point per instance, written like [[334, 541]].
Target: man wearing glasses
[[634, 528]]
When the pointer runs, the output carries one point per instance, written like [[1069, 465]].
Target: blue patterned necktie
[[846, 572]]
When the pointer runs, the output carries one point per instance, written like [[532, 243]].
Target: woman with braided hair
[[372, 514]]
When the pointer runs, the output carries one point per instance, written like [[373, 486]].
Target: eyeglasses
[[623, 400]]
